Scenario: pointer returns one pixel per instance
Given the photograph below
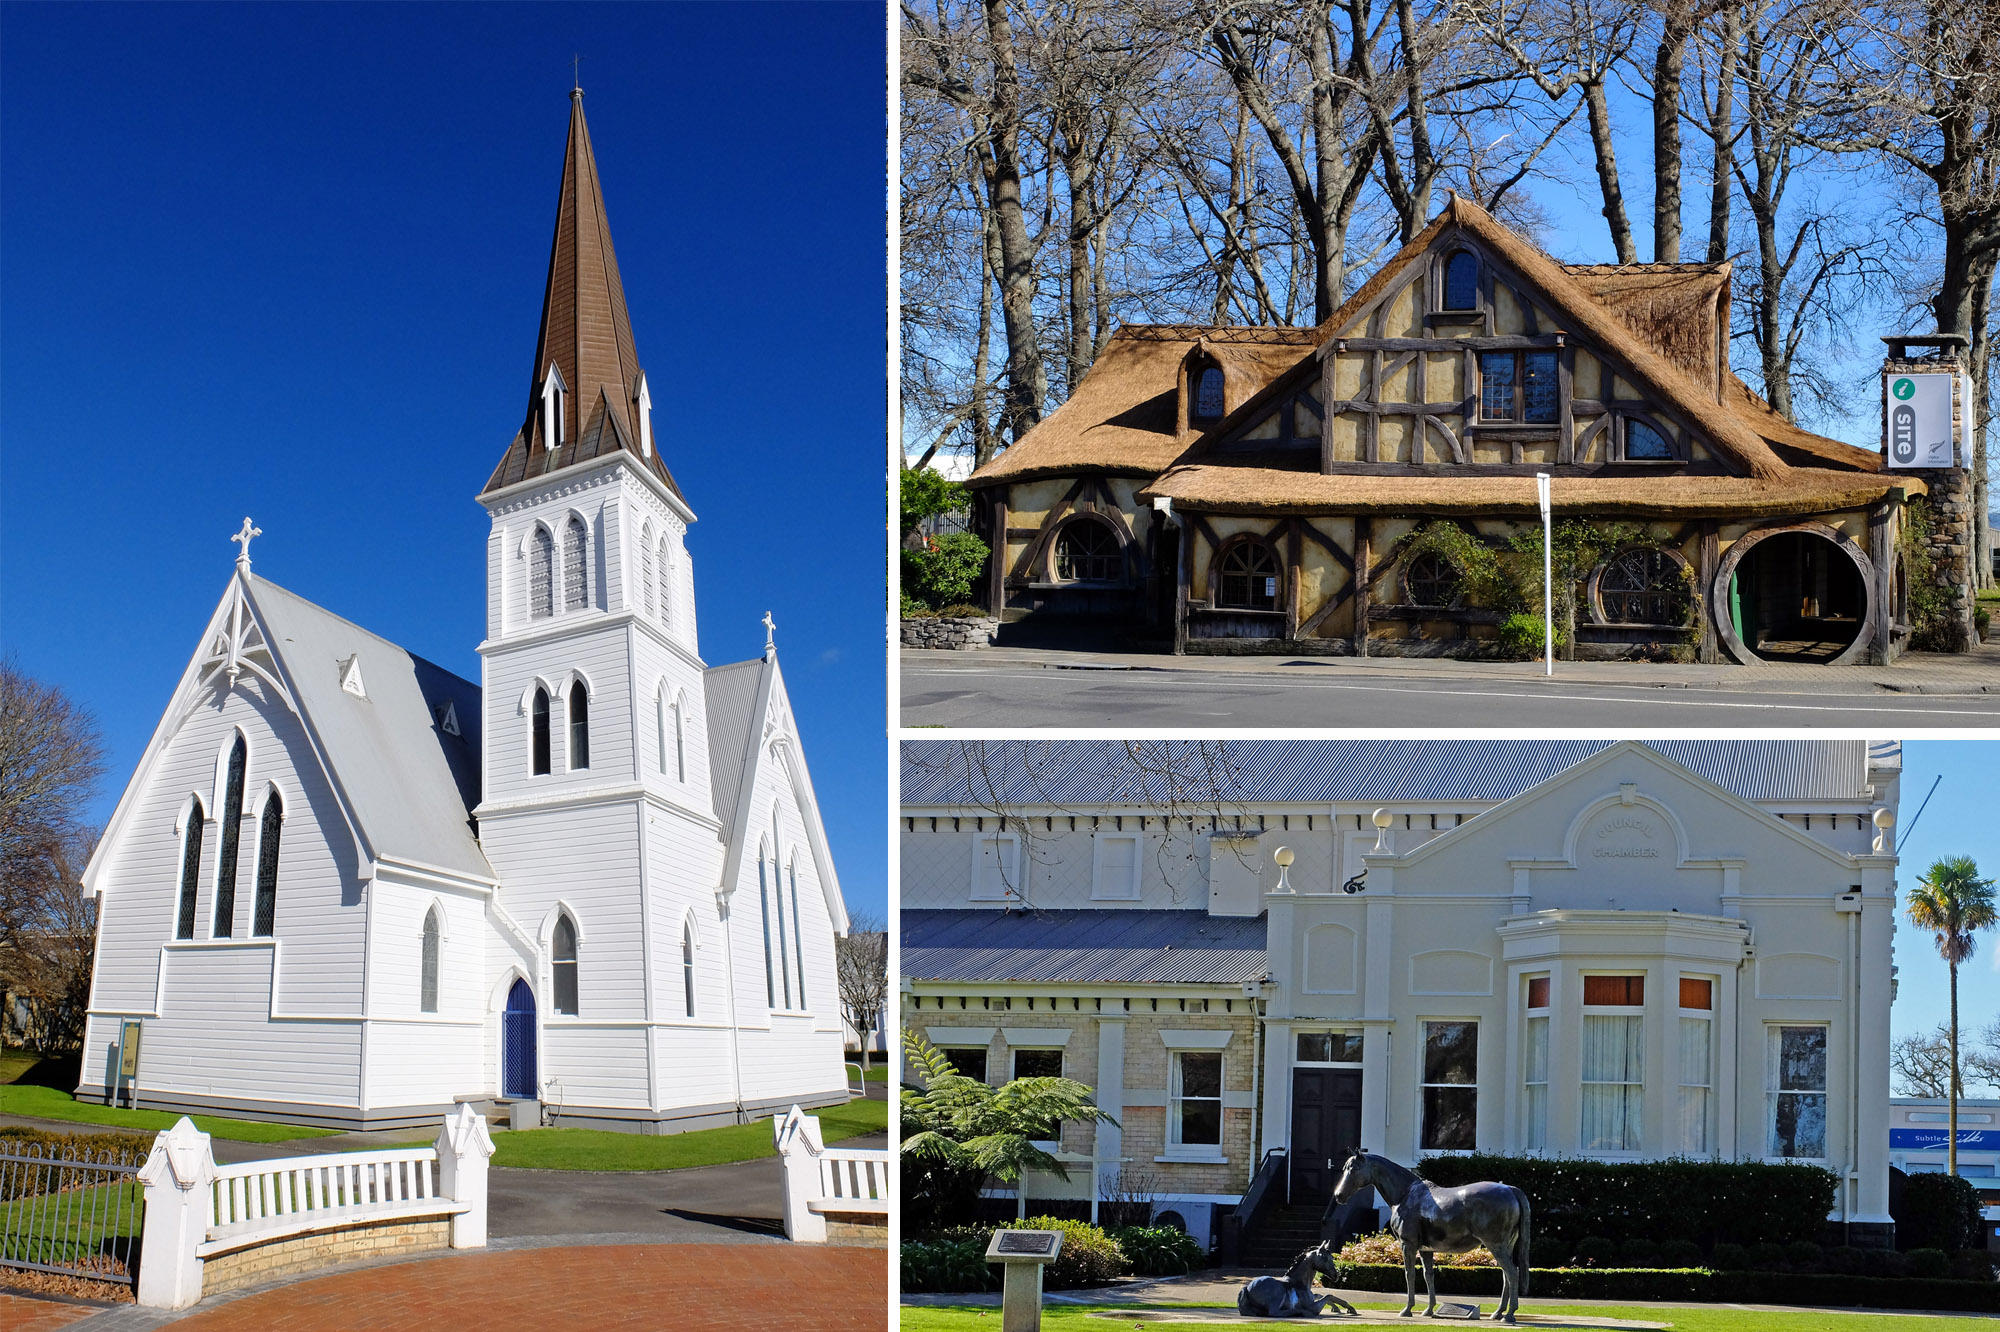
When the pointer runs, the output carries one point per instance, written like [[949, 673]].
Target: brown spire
[[586, 334]]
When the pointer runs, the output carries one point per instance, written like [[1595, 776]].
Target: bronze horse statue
[[1429, 1219], [1291, 1295]]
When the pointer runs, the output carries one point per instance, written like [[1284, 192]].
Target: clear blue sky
[[1960, 821], [288, 260]]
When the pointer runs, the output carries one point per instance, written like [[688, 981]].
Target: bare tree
[[1922, 1063], [861, 965], [48, 962], [51, 757]]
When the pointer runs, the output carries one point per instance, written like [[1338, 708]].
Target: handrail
[[859, 1086], [282, 1191], [1257, 1200]]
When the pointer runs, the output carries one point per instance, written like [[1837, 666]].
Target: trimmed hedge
[[955, 1259], [1697, 1285], [1158, 1250], [1705, 1202], [1939, 1211]]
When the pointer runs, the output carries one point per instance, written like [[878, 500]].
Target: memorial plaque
[[128, 1050], [1027, 1241]]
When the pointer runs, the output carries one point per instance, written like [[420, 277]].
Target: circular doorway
[[1801, 593]]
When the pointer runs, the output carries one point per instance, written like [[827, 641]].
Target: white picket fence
[[197, 1211], [818, 1180]]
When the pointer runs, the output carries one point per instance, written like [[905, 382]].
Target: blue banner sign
[[1933, 1140]]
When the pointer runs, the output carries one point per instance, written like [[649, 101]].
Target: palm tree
[[1953, 902]]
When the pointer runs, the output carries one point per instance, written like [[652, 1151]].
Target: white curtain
[[1694, 1085], [1537, 1081], [1613, 1074]]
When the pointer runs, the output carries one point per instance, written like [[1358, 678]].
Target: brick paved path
[[18, 1314], [599, 1288]]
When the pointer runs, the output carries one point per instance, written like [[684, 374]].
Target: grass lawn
[[597, 1149], [1684, 1318], [18, 1098]]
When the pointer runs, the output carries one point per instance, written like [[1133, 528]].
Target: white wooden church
[[347, 887]]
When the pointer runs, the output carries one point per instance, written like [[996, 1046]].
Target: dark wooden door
[[1326, 1121]]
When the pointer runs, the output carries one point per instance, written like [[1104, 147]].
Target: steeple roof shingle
[[585, 333]]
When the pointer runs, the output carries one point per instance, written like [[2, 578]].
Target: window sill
[[1647, 462], [1245, 610], [1525, 429], [792, 1012], [1189, 1157], [1081, 585]]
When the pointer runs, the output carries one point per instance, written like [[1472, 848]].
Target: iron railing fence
[[71, 1211]]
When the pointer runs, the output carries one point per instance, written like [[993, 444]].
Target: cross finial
[[770, 630], [243, 556]]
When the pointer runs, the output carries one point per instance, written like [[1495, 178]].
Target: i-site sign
[[1919, 420]]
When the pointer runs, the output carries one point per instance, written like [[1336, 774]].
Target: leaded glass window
[[232, 830], [1519, 386], [541, 575], [1087, 551], [579, 728], [1450, 1086], [427, 1001], [1496, 386], [1797, 1098], [539, 759], [576, 573], [1642, 586], [1208, 394], [1248, 577], [1461, 281], [562, 965], [190, 870], [1432, 580], [1539, 388], [1643, 441], [270, 831]]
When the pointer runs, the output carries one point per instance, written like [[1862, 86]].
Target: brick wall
[[267, 1262]]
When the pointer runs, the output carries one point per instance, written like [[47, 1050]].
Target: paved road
[[1072, 691]]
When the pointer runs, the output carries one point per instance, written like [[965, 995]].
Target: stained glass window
[[232, 827], [1643, 441], [1461, 282], [541, 575], [576, 576], [270, 832], [1208, 394], [190, 870]]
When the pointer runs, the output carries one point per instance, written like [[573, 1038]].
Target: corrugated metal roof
[[1096, 947], [1014, 773]]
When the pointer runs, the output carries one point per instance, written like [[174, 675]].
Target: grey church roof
[[1093, 946], [1014, 773], [731, 695], [412, 786]]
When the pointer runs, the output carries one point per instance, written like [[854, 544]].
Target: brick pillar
[[1953, 540]]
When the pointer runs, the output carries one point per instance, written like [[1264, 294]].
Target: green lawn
[[18, 1098], [1683, 1318], [596, 1149]]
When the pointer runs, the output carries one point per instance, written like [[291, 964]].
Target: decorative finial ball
[[1381, 818], [1885, 817], [1283, 857]]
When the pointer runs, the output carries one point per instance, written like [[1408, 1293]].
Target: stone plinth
[[957, 635]]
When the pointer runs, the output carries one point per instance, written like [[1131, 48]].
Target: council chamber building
[[1261, 954]]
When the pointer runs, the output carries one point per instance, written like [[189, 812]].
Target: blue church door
[[517, 1043]]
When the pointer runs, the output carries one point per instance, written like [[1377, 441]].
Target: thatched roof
[[1801, 448], [1121, 419], [1212, 488], [1676, 308]]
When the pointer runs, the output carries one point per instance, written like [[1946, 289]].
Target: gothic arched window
[[562, 965], [1087, 551], [190, 869], [1642, 585], [576, 572], [539, 765], [1461, 281], [687, 968], [646, 564], [232, 829], [666, 586], [680, 739], [579, 727], [798, 930], [541, 575], [764, 916], [427, 1001], [270, 831], [1208, 395], [1247, 577]]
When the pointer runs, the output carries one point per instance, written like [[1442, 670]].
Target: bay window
[[1535, 1077], [1614, 1069], [1697, 1059]]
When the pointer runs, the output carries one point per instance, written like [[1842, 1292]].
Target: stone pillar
[[177, 1177], [799, 1145], [1953, 541], [464, 1147]]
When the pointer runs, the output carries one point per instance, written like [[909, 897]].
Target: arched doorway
[[517, 1043], [1799, 593]]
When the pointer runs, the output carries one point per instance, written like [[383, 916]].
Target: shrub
[[1382, 1247], [1089, 1257], [1928, 1264], [1982, 620], [947, 1265], [111, 1146], [1767, 1257], [1742, 1202], [1549, 1253], [1883, 1263], [1638, 1252], [912, 609], [1846, 1260], [1522, 639], [1680, 1253], [944, 571], [1729, 1257], [1596, 1251], [1938, 1211], [1972, 1265], [962, 611], [1159, 1250], [927, 493], [1804, 1256]]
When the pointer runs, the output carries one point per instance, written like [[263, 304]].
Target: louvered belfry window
[[646, 564], [190, 871], [576, 579], [270, 831], [541, 576], [232, 828], [666, 586]]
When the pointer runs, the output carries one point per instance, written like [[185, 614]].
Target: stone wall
[[951, 634], [260, 1263], [1954, 539], [859, 1229]]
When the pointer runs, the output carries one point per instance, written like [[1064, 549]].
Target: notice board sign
[[1919, 420], [128, 1049]]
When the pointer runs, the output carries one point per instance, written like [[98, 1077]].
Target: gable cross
[[243, 556], [770, 630]]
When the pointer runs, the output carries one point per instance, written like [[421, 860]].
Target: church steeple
[[595, 400]]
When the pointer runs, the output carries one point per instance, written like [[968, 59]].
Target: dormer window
[[1207, 394], [1461, 281], [553, 415], [643, 400]]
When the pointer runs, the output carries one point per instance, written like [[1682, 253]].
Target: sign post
[[1022, 1254], [1548, 579], [1920, 420], [128, 1059]]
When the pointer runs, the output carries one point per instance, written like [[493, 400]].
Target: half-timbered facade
[[1250, 489]]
